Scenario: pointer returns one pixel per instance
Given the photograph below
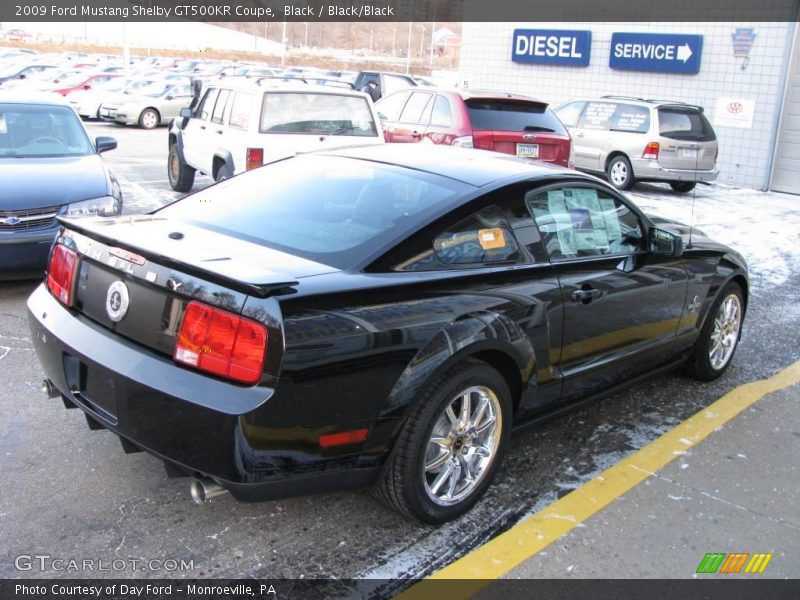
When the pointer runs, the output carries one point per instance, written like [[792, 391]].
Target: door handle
[[202, 126], [219, 131], [584, 295], [416, 134], [579, 134]]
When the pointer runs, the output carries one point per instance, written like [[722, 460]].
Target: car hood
[[41, 182]]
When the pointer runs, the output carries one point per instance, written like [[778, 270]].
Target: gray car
[[156, 104], [632, 139]]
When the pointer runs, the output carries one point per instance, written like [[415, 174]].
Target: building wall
[[745, 154]]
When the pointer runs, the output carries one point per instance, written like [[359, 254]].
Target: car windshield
[[512, 115], [326, 114], [35, 130], [329, 209], [72, 79], [154, 90]]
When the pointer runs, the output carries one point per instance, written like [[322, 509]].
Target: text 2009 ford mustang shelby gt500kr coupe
[[373, 316]]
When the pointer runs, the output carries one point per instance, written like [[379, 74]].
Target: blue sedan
[[49, 166]]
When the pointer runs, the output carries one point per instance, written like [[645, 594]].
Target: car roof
[[279, 84], [40, 98], [474, 167]]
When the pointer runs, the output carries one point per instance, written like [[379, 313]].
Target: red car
[[508, 123], [81, 81]]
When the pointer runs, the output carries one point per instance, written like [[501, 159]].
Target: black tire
[[149, 118], [181, 175], [404, 484], [620, 173], [702, 366], [224, 172], [682, 187]]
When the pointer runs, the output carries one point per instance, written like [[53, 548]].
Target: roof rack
[[286, 78], [675, 103], [611, 96]]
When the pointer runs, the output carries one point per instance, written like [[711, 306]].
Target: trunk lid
[[519, 127], [686, 138], [177, 266]]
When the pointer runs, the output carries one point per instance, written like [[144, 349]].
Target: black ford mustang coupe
[[379, 316]]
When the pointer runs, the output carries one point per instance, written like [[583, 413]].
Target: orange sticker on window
[[491, 239]]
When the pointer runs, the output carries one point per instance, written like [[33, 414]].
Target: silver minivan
[[633, 139]]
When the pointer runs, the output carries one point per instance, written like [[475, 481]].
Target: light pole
[[408, 51], [284, 39], [305, 44], [421, 40], [394, 38]]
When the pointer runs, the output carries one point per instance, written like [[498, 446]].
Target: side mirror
[[170, 97], [664, 243], [104, 144], [186, 112], [22, 76], [87, 87]]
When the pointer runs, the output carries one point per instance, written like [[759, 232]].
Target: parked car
[[87, 103], [379, 316], [22, 70], [238, 126], [497, 121], [151, 106], [387, 83], [81, 81], [632, 139], [49, 167]]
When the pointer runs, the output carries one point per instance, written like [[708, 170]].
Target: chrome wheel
[[462, 445], [725, 332], [619, 173]]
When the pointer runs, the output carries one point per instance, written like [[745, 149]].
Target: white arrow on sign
[[684, 52]]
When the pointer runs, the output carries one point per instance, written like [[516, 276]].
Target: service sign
[[552, 47], [656, 52]]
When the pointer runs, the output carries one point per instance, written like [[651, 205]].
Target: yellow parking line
[[500, 555]]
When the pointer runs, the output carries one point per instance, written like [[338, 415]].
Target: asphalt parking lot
[[72, 493]]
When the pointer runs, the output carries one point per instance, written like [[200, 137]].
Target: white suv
[[238, 126]]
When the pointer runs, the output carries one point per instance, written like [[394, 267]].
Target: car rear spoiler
[[259, 289]]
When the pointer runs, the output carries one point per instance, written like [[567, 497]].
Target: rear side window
[[684, 124], [507, 115], [240, 113], [630, 118], [322, 114], [442, 114], [392, 83], [332, 210]]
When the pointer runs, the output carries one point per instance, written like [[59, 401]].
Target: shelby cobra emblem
[[117, 300]]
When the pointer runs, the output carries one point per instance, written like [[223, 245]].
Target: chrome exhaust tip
[[204, 490], [49, 390]]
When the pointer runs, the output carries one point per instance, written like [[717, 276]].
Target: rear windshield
[[684, 124], [323, 114], [332, 210], [507, 115]]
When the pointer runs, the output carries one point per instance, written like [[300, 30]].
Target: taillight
[[61, 273], [651, 150], [255, 158], [462, 142], [221, 343]]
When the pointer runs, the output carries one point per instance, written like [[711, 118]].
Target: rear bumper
[[201, 425], [650, 170]]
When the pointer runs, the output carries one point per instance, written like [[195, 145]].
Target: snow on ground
[[763, 226]]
